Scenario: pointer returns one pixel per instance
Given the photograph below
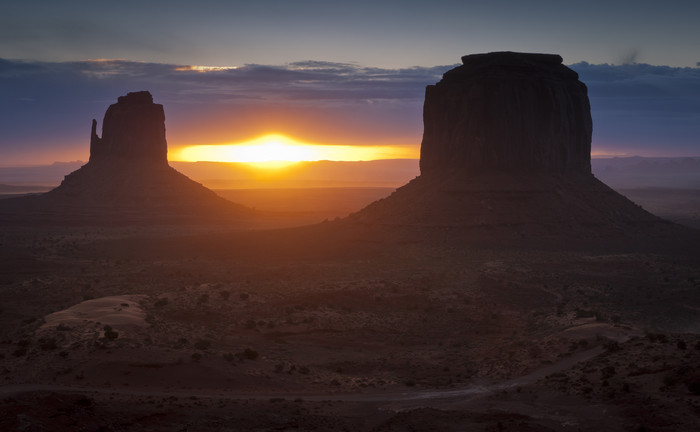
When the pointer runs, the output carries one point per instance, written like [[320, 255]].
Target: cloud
[[47, 106], [652, 110], [49, 102]]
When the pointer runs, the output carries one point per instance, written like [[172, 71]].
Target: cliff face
[[507, 111], [133, 129]]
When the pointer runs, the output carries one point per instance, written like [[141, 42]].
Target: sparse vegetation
[[202, 344], [109, 333], [48, 344], [161, 302], [248, 354]]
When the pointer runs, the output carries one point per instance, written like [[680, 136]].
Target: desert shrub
[[161, 302], [657, 337], [250, 324], [243, 296], [229, 357], [48, 344], [110, 333], [560, 310], [248, 354], [582, 313], [612, 346], [304, 370], [224, 295], [681, 345], [63, 327], [204, 298], [694, 387], [202, 344], [670, 380], [196, 356], [607, 372], [410, 383]]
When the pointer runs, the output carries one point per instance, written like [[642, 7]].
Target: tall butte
[[133, 131], [128, 179], [506, 154]]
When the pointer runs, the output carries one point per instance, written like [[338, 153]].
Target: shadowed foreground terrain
[[314, 330]]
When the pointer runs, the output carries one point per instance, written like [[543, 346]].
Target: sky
[[331, 72]]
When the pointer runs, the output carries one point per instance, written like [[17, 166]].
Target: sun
[[276, 150], [271, 148]]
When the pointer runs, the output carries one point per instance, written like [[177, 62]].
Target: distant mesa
[[128, 179], [506, 152]]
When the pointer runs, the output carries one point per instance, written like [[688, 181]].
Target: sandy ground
[[122, 311]]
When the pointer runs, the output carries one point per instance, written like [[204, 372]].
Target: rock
[[127, 179], [133, 129], [507, 111], [505, 158]]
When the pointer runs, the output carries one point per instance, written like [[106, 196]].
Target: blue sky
[[357, 68], [382, 33]]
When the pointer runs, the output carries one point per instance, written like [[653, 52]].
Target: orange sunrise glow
[[274, 149]]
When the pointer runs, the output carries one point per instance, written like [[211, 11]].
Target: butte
[[505, 158], [127, 179]]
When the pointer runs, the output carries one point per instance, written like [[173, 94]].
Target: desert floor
[[213, 328]]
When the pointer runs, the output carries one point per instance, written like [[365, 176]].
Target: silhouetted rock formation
[[507, 111], [506, 153], [132, 129], [128, 179]]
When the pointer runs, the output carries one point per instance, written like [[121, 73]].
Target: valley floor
[[145, 328]]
